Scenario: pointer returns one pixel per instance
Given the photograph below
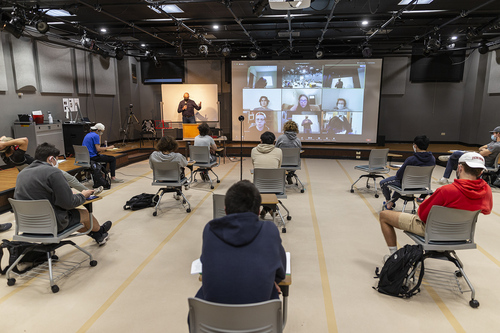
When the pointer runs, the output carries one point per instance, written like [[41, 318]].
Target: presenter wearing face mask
[[186, 107], [422, 157], [93, 143], [489, 152]]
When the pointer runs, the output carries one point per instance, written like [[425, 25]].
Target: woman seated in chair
[[166, 148], [289, 139]]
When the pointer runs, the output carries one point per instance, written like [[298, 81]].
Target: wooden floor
[[142, 280]]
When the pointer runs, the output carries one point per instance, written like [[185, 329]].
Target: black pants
[[111, 160]]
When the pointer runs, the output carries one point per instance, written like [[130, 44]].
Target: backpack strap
[[415, 289]]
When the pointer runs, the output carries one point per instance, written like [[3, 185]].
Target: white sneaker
[[444, 181], [116, 180], [98, 190], [444, 158]]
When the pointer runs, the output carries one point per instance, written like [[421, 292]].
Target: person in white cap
[[468, 192], [489, 151], [93, 143]]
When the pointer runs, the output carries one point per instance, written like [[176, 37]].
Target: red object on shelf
[[38, 119]]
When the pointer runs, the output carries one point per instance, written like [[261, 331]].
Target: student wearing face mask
[[93, 143], [489, 152], [13, 153], [42, 180], [421, 157]]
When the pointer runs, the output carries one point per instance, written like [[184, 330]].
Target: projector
[[289, 5]]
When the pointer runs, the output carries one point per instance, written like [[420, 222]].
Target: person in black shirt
[[186, 107]]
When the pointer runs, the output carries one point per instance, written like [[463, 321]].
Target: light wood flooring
[[142, 280]]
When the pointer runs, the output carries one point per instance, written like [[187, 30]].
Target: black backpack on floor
[[100, 175], [15, 249], [141, 201], [399, 269]]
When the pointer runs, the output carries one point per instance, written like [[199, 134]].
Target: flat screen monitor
[[330, 100]]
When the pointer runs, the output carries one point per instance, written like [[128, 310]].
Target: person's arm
[[63, 195], [401, 171], [280, 157], [483, 148], [101, 149], [180, 107], [294, 108], [21, 142], [436, 199], [197, 107]]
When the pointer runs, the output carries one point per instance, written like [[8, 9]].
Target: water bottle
[[105, 143], [51, 120]]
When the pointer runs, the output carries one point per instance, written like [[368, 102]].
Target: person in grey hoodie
[[166, 153], [289, 138]]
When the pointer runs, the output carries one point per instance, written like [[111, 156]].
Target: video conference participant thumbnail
[[258, 122]]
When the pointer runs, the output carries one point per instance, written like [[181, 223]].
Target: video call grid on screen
[[330, 100]]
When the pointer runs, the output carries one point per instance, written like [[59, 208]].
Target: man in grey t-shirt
[[206, 140]]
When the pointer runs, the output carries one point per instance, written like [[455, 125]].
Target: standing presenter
[[187, 106]]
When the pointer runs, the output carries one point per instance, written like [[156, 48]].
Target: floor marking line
[[325, 283], [88, 324]]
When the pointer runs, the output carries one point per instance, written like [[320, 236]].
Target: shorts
[[411, 223], [73, 219]]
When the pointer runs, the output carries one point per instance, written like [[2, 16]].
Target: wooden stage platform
[[133, 152]]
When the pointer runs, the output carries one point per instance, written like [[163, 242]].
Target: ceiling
[[333, 26]]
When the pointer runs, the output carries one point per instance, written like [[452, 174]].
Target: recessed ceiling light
[[364, 22], [103, 30], [216, 26], [454, 37], [418, 2], [143, 45], [58, 12], [167, 9]]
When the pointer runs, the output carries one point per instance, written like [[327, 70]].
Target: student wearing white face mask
[[40, 180], [489, 151], [421, 158]]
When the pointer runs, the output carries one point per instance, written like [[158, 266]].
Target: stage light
[[252, 54], [85, 41], [364, 23], [454, 37], [203, 49], [319, 53], [226, 50], [434, 45], [367, 51], [119, 53], [12, 24], [42, 26], [483, 48]]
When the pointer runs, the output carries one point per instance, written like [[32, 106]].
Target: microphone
[[241, 118]]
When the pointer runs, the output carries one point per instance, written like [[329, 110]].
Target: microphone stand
[[241, 119]]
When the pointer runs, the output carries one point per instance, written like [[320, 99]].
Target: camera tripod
[[130, 121]]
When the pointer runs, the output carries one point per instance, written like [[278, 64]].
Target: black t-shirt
[[18, 158]]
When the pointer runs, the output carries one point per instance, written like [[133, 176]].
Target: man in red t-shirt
[[468, 192]]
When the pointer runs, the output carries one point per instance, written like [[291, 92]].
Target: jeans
[[384, 186], [452, 163], [108, 159], [189, 120]]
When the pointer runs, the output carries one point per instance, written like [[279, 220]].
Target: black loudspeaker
[[227, 70], [381, 140]]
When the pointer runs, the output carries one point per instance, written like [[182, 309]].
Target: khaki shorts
[[411, 223]]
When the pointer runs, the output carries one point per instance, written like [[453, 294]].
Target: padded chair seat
[[440, 246], [367, 168], [47, 238], [409, 191]]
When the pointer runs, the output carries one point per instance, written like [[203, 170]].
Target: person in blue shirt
[[422, 157], [93, 143]]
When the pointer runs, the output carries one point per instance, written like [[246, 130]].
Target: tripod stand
[[130, 121]]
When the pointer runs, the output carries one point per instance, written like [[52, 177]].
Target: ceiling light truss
[[238, 20], [325, 29]]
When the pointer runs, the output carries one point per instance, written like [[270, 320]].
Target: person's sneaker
[[100, 237], [116, 180], [98, 190], [289, 179], [263, 213], [389, 208], [496, 183], [5, 227], [444, 158], [106, 226], [444, 181]]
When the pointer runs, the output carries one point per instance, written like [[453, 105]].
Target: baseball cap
[[5, 139], [496, 130], [98, 126], [473, 160]]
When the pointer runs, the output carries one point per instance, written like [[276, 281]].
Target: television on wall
[[171, 71]]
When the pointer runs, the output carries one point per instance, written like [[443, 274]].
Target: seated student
[[93, 143], [289, 140], [266, 155], [242, 256], [42, 180], [204, 139], [13, 153], [468, 192], [489, 152], [421, 158], [166, 148]]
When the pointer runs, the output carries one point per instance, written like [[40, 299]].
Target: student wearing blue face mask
[[489, 152]]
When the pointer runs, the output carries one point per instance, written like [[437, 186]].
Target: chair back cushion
[[201, 154], [269, 180], [212, 317], [82, 156], [450, 225], [417, 177], [166, 171], [219, 205], [34, 217], [378, 158], [291, 157]]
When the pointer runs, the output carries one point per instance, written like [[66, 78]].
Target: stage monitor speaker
[[381, 140]]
